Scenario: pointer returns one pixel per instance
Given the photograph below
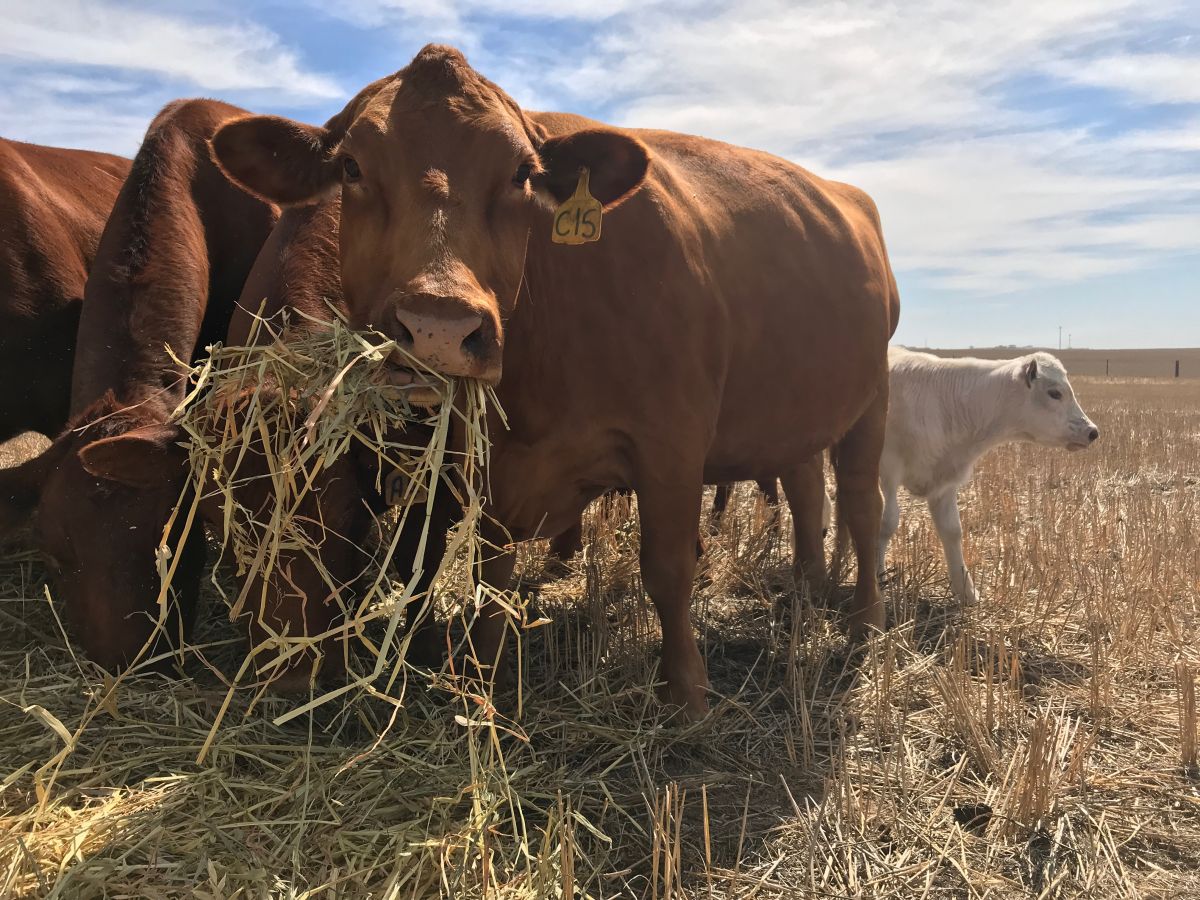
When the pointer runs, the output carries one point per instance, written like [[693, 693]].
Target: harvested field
[[1040, 744], [1153, 363]]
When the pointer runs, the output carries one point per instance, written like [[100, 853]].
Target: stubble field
[[1039, 744]]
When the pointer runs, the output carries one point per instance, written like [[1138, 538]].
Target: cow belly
[[762, 433]]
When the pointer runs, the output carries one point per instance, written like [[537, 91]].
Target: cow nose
[[457, 343], [1093, 434]]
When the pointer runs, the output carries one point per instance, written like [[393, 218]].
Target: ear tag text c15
[[577, 220]]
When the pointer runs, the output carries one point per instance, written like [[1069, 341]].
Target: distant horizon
[[1048, 348]]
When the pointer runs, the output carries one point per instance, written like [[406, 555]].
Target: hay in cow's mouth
[[420, 387]]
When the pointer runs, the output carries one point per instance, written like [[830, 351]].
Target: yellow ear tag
[[577, 221]]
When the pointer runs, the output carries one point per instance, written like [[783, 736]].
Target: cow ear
[[1030, 372], [145, 457], [616, 162], [277, 159]]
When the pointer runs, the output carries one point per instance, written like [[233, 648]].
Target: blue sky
[[1036, 163]]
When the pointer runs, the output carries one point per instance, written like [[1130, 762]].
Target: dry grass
[[1041, 744]]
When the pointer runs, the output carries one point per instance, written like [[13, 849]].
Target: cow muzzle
[[1083, 437], [448, 337]]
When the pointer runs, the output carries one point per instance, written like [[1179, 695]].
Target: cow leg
[[670, 523], [294, 601], [720, 502], [488, 631], [424, 647], [804, 486], [943, 507], [860, 507], [304, 592], [890, 521], [770, 490], [566, 544]]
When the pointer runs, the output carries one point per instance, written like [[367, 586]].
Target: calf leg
[[890, 521], [670, 522], [804, 486], [860, 506], [943, 507]]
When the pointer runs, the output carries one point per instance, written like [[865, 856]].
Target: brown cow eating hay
[[173, 257], [731, 321]]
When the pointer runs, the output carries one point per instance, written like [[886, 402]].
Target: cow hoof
[[865, 622], [689, 704]]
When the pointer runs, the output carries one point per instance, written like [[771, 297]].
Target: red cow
[[731, 322]]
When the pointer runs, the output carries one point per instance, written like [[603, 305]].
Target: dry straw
[[1039, 744]]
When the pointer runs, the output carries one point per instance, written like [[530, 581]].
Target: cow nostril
[[475, 343], [404, 337], [1093, 434]]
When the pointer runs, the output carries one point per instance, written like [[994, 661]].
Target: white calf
[[944, 414]]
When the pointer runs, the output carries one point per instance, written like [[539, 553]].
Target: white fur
[[944, 414]]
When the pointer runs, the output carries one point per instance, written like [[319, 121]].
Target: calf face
[[1050, 413], [442, 177]]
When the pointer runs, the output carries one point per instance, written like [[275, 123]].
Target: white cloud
[[455, 12], [926, 105], [1003, 213], [224, 57], [112, 120], [1155, 77]]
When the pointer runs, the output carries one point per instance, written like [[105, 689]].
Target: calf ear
[[617, 164], [1030, 372], [145, 457], [277, 159]]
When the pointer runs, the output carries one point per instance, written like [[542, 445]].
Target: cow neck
[[172, 260], [540, 333]]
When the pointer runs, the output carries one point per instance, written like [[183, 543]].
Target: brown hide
[[53, 205]]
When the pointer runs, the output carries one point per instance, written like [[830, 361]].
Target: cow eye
[[350, 169], [1055, 395], [521, 176]]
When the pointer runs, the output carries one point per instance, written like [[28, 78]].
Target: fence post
[[1176, 368], [1106, 368]]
